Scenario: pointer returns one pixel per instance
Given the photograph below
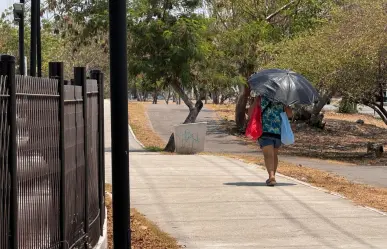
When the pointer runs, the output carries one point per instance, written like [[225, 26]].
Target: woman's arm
[[289, 111]]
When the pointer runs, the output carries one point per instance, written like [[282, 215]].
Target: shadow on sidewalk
[[255, 184]]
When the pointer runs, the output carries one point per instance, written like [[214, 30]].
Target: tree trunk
[[313, 115], [155, 98], [380, 110], [194, 111], [240, 109], [223, 98], [215, 98], [169, 96]]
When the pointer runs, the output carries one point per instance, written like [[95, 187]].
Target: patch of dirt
[[342, 139], [145, 234], [141, 127]]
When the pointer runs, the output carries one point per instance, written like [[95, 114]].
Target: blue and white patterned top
[[271, 118]]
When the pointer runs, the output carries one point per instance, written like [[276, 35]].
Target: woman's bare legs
[[275, 160], [269, 156]]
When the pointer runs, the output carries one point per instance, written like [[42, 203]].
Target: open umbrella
[[283, 86]]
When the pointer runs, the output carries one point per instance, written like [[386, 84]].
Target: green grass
[[153, 149]]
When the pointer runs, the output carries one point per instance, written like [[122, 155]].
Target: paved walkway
[[163, 117], [213, 202], [133, 145]]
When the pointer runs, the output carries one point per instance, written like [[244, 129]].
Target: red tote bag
[[254, 127]]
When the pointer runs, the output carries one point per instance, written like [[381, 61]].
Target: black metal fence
[[52, 159]]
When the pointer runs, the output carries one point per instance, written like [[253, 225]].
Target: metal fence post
[[80, 80], [7, 68], [56, 72], [21, 42], [99, 76], [34, 34]]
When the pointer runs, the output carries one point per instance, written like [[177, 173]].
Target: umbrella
[[283, 86]]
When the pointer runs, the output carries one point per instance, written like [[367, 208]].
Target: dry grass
[[361, 194], [342, 139], [145, 234], [370, 120], [139, 121], [226, 112]]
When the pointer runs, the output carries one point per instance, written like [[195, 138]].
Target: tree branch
[[221, 20], [379, 110], [176, 86], [269, 17]]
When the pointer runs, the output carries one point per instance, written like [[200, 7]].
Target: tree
[[165, 43], [248, 29], [346, 56]]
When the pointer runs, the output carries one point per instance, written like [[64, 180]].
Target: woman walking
[[270, 140]]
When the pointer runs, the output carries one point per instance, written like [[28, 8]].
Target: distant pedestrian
[[270, 140]]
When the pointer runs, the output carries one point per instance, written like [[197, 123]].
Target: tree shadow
[[256, 184]]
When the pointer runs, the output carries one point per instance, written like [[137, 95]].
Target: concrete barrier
[[190, 138]]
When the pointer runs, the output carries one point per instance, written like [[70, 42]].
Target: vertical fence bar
[[56, 72], [98, 75], [80, 80], [7, 68]]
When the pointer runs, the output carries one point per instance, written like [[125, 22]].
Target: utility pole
[[21, 43], [119, 124], [18, 15], [39, 39], [34, 33]]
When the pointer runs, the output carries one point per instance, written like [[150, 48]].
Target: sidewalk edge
[[135, 138], [317, 188], [332, 193]]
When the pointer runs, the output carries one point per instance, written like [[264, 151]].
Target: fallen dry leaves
[[145, 234], [139, 121]]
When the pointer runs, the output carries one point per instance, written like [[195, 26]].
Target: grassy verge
[[138, 120], [145, 234], [359, 193]]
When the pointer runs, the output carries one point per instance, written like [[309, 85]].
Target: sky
[[4, 4]]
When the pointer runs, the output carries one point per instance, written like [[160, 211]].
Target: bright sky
[[4, 4]]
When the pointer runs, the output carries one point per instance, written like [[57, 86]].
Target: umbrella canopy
[[283, 86]]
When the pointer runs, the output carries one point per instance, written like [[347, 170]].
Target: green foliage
[[346, 106], [343, 56], [162, 44], [339, 45]]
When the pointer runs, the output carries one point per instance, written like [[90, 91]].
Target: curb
[[102, 242], [135, 138]]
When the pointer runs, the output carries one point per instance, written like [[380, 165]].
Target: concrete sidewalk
[[213, 202], [133, 145]]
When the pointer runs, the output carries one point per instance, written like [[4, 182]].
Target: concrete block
[[190, 138]]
